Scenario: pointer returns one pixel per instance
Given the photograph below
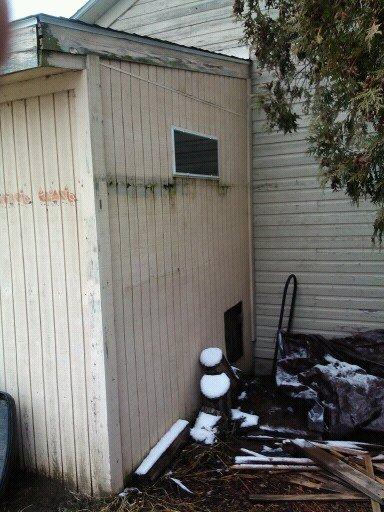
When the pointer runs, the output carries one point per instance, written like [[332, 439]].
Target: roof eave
[[92, 10]]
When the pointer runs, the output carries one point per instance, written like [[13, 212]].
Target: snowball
[[204, 430], [210, 357], [215, 386]]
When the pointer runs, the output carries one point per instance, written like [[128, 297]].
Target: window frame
[[191, 175]]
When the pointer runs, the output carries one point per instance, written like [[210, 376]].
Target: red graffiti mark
[[54, 196], [15, 198]]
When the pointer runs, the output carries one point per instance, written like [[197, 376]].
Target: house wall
[[180, 247], [51, 330], [207, 24], [297, 227], [317, 234]]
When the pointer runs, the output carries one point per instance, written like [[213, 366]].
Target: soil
[[206, 471]]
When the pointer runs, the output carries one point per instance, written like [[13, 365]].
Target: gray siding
[[207, 24], [317, 234]]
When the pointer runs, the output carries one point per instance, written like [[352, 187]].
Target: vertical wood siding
[[179, 247], [319, 235], [207, 24], [51, 358], [41, 313]]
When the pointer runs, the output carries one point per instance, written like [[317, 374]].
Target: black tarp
[[339, 380]]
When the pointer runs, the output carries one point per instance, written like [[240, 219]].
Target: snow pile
[[158, 450], [247, 420], [350, 373], [205, 429], [210, 357], [215, 386]]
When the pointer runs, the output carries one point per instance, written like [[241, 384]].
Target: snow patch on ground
[[215, 386], [210, 357], [158, 450], [242, 396], [205, 430], [247, 420]]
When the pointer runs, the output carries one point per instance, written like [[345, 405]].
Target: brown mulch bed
[[204, 470]]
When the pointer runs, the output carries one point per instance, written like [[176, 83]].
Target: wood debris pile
[[315, 469]]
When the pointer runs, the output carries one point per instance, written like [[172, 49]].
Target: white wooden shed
[[297, 227], [117, 262]]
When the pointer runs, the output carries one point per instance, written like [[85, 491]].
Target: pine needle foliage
[[328, 57]]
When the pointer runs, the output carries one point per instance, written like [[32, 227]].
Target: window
[[195, 154], [233, 323]]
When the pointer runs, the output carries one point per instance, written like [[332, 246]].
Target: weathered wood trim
[[104, 420], [38, 86], [250, 208], [93, 9], [79, 39], [23, 48]]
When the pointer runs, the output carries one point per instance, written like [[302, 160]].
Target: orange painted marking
[[54, 196]]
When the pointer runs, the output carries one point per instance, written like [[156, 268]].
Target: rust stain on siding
[[15, 198], [54, 196]]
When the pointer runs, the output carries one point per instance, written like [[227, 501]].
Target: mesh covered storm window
[[195, 154]]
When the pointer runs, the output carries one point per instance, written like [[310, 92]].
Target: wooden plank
[[16, 253], [82, 41], [53, 463], [23, 49], [97, 297], [348, 474], [307, 497], [33, 347], [371, 473], [326, 485], [161, 456]]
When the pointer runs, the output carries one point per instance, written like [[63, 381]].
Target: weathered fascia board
[[23, 47], [78, 39]]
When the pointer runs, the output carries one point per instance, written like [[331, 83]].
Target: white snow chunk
[[242, 396], [269, 449], [158, 450], [236, 372], [181, 485], [204, 430], [247, 420], [215, 386], [129, 490], [242, 459], [210, 357], [282, 430]]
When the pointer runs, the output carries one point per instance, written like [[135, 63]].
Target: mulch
[[204, 470]]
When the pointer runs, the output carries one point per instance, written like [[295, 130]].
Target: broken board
[[348, 474]]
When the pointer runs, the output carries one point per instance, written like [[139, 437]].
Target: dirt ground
[[205, 471]]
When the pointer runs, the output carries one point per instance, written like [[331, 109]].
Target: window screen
[[233, 322], [195, 155]]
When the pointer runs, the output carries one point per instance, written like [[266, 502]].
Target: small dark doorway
[[233, 322]]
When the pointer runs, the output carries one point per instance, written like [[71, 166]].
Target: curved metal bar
[[291, 277]]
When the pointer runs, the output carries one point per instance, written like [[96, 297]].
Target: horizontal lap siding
[[207, 24], [43, 348], [317, 234], [179, 251]]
